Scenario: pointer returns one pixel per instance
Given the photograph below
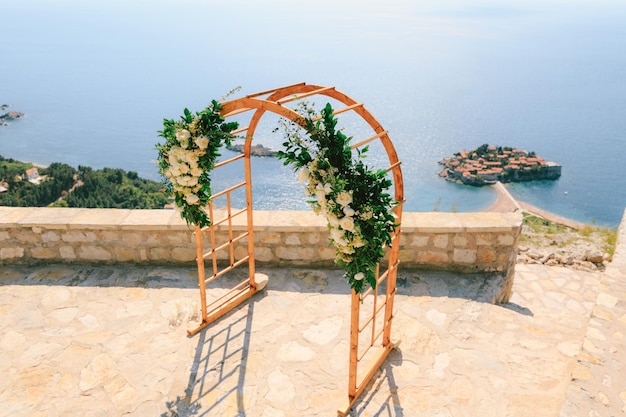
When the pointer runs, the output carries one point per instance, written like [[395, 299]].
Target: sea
[[96, 79]]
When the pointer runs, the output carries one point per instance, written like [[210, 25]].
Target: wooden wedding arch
[[370, 333]]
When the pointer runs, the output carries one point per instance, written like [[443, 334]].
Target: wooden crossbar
[[218, 222], [225, 245], [372, 317], [262, 93], [392, 166], [303, 95], [241, 129], [228, 161], [368, 140], [228, 190], [238, 111], [341, 110], [224, 271]]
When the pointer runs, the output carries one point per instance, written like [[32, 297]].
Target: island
[[255, 150], [9, 116], [489, 164]]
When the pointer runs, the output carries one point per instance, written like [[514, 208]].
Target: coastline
[[505, 203]]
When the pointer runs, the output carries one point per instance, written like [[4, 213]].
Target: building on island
[[490, 164]]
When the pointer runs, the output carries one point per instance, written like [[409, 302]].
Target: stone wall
[[465, 242]]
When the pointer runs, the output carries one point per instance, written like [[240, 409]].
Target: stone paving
[[599, 386], [111, 341]]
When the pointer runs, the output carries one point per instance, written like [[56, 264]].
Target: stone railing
[[463, 242]]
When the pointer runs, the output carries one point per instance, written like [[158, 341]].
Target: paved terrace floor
[[111, 341]]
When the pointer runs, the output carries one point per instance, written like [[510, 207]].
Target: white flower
[[196, 172], [182, 136], [348, 250], [303, 175], [321, 197], [336, 234], [173, 172], [366, 215], [192, 181], [344, 198], [192, 199], [202, 142], [340, 242], [184, 168], [327, 188], [357, 242], [333, 220], [346, 258], [183, 180], [348, 211], [359, 276], [346, 223]]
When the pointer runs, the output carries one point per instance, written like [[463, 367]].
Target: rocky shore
[[555, 241], [573, 249], [9, 116]]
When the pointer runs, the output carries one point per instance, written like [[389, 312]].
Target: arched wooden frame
[[363, 361]]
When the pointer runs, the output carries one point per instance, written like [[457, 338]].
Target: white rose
[[347, 223], [344, 198], [357, 242], [333, 220], [336, 234], [173, 172], [327, 188], [183, 180], [321, 197], [348, 250], [182, 134], [340, 242], [348, 211], [202, 142], [303, 175], [196, 172], [189, 157], [184, 168], [192, 199], [192, 181], [346, 258], [359, 276]]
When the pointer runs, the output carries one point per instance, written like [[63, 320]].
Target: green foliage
[[482, 149], [115, 188], [64, 186], [188, 156], [354, 198]]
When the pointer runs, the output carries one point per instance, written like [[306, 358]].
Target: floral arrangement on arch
[[353, 197], [187, 157]]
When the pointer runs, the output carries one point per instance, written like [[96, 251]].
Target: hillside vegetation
[[60, 185]]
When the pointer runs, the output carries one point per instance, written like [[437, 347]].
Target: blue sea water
[[96, 79]]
